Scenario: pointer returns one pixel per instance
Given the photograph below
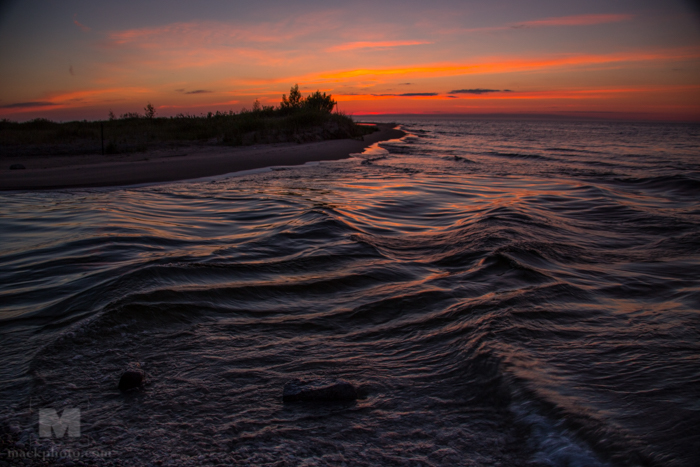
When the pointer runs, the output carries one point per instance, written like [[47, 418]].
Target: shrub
[[149, 111], [295, 101], [320, 102]]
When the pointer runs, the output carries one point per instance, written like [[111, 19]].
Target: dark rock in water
[[17, 167], [132, 379], [363, 391], [321, 390]]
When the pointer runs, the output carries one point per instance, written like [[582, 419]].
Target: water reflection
[[494, 284]]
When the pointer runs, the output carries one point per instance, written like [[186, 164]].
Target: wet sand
[[171, 163]]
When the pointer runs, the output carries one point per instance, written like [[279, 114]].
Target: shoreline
[[169, 164]]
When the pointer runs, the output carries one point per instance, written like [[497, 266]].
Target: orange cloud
[[513, 65], [375, 76], [379, 97], [91, 96], [373, 45]]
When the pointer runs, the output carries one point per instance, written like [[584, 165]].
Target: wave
[[542, 305], [676, 184], [526, 157]]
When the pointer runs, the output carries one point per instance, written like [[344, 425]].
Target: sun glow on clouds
[[516, 64], [365, 60], [519, 95], [625, 102]]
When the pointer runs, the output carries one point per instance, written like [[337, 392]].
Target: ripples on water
[[513, 292]]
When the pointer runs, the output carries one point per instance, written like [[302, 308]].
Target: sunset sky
[[67, 60]]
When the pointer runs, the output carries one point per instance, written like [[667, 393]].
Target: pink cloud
[[81, 26], [201, 44], [575, 20], [190, 35], [372, 45], [213, 33]]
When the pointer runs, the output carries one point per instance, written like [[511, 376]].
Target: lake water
[[508, 292]]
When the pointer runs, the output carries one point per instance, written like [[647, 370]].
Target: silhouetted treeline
[[296, 119]]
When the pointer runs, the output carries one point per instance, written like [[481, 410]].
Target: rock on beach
[[321, 390], [131, 379]]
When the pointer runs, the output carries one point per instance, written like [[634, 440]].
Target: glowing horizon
[[79, 60]]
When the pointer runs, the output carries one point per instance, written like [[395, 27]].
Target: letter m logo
[[69, 421]]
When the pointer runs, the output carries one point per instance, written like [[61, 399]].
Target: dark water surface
[[509, 292]]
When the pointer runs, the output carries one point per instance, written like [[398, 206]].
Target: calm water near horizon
[[509, 292]]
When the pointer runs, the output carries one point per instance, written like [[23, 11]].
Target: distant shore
[[171, 163]]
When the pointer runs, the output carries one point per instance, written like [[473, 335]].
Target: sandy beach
[[173, 163]]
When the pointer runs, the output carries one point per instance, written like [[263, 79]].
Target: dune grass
[[295, 120], [136, 134]]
